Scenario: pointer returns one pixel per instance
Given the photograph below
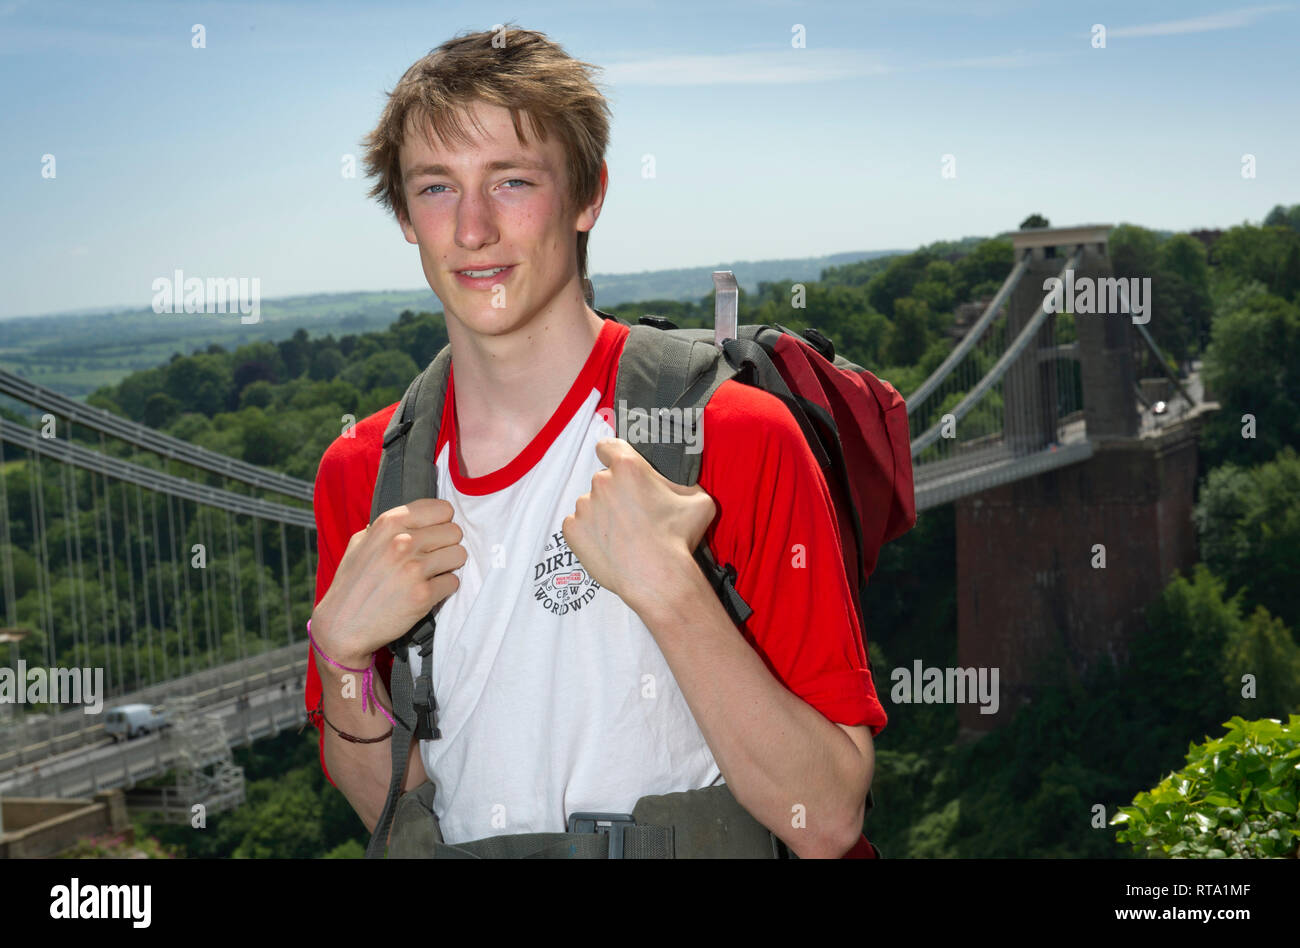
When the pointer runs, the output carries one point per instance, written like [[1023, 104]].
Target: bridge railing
[[126, 764], [142, 436], [25, 740], [69, 452]]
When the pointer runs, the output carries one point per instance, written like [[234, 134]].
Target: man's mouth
[[484, 278]]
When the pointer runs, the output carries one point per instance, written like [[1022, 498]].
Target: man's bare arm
[[779, 755], [392, 573], [361, 771]]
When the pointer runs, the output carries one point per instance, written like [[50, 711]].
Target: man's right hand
[[391, 575]]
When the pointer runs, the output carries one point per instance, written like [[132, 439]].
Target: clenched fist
[[635, 521], [391, 575]]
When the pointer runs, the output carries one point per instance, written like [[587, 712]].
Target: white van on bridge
[[131, 720]]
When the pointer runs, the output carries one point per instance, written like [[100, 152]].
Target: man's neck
[[508, 386]]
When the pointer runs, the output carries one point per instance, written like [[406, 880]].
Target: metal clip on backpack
[[856, 426]]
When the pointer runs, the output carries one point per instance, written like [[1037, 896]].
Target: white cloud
[[1200, 24], [1007, 61]]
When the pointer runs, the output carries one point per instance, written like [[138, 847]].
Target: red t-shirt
[[775, 524]]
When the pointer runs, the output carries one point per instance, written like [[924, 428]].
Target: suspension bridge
[[156, 560]]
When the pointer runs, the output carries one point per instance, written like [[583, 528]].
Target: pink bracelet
[[367, 683]]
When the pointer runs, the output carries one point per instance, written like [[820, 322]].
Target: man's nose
[[475, 224]]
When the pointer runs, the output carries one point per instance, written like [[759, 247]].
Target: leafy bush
[[1236, 798]]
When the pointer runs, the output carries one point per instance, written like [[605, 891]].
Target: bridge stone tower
[[1055, 571], [1103, 346]]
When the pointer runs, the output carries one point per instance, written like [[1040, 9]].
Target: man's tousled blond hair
[[542, 86]]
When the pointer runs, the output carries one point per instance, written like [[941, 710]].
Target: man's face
[[488, 204]]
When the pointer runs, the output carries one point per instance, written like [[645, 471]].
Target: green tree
[[259, 394], [1251, 369], [1261, 666], [191, 427], [937, 288], [1183, 264], [897, 280], [256, 362], [1137, 253], [160, 409], [262, 438], [295, 353], [350, 849], [907, 338], [856, 274], [1198, 646], [1179, 656], [286, 822], [1288, 280], [1133, 250], [1034, 220], [326, 364], [1284, 217], [200, 383], [1248, 520], [130, 395], [23, 562], [1258, 253], [988, 264], [382, 369]]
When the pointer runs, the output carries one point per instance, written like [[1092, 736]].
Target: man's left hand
[[635, 521]]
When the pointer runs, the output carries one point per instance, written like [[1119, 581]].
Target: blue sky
[[225, 161]]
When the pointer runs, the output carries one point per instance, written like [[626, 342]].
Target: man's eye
[[510, 181]]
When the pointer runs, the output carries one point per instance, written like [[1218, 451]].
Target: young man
[[581, 659]]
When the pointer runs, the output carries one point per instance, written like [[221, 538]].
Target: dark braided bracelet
[[320, 709]]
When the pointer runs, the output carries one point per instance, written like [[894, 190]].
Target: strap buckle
[[611, 824], [425, 706]]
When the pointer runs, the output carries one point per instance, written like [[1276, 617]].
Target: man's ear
[[404, 222], [587, 217]]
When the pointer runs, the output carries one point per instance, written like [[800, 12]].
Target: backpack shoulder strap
[[665, 369], [407, 472], [406, 469]]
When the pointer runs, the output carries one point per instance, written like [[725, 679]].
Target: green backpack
[[660, 367]]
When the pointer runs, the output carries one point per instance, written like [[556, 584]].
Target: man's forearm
[[777, 753], [360, 771]]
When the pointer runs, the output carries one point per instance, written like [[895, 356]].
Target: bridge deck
[[996, 469]]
